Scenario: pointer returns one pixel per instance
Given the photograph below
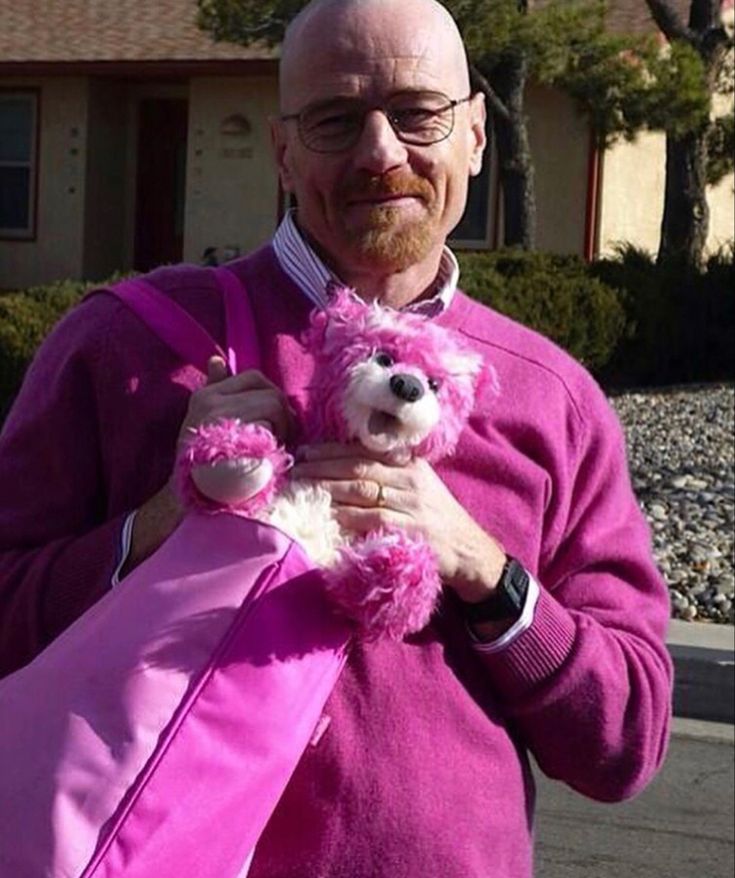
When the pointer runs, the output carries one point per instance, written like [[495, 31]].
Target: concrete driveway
[[680, 827]]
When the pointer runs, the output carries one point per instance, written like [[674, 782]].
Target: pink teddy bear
[[393, 381]]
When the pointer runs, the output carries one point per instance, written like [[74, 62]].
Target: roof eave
[[158, 69]]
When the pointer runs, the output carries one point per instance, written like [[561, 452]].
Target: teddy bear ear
[[327, 326], [471, 365], [345, 314], [464, 362], [344, 304]]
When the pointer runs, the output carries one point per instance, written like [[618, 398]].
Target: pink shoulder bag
[[155, 736]]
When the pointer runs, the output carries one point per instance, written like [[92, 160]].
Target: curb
[[704, 670]]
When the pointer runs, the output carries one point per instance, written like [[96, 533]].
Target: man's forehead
[[372, 73], [369, 54]]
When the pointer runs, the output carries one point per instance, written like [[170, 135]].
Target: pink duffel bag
[[155, 736]]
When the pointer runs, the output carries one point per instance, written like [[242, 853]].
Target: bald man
[[550, 639]]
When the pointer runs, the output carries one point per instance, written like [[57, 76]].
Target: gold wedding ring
[[381, 495]]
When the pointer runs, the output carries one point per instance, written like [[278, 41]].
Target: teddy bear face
[[390, 404], [390, 380]]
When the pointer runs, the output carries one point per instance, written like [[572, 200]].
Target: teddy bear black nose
[[406, 387]]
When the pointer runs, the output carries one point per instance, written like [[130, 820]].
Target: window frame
[[489, 168], [29, 233]]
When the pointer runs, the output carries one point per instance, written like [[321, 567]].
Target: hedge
[[680, 326], [26, 318], [556, 295]]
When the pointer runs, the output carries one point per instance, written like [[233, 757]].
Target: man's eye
[[383, 359], [334, 122], [414, 117]]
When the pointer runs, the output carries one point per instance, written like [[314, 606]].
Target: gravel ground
[[681, 451]]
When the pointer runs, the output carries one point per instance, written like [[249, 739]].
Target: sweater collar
[[299, 261]]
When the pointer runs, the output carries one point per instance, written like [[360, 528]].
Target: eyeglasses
[[417, 118]]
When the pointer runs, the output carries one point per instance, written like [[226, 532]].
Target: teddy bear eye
[[433, 385], [383, 359]]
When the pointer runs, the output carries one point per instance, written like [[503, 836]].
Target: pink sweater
[[422, 769]]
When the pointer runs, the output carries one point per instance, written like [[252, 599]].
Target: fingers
[[250, 379], [216, 370], [366, 494], [335, 451], [360, 520], [248, 396], [367, 474]]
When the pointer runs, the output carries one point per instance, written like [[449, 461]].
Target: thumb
[[216, 370]]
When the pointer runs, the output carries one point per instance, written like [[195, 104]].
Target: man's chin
[[395, 249]]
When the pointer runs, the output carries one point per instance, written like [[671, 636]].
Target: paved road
[[680, 827]]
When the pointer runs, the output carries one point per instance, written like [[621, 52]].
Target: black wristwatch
[[506, 602]]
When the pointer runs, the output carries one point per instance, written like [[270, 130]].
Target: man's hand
[[249, 396], [413, 497]]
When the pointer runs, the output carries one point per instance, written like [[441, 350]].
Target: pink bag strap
[[181, 332], [243, 350]]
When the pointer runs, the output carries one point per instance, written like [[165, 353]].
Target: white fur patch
[[305, 513], [369, 391]]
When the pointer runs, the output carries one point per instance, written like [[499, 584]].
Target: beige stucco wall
[[721, 200], [632, 193], [632, 199], [560, 144], [232, 186], [57, 251]]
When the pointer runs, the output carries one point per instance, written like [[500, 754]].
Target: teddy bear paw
[[230, 465]]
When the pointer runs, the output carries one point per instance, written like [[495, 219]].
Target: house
[[128, 139]]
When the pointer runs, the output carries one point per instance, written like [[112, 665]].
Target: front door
[[161, 183]]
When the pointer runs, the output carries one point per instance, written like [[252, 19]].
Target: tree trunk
[[686, 213], [514, 155], [685, 221]]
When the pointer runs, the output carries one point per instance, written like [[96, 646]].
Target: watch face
[[507, 600]]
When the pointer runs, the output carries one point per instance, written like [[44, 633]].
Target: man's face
[[380, 205]]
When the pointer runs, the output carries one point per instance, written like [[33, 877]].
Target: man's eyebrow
[[354, 99]]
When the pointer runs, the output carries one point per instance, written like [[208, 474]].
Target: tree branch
[[495, 103], [704, 15], [669, 21]]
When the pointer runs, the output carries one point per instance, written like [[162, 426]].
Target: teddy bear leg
[[386, 582]]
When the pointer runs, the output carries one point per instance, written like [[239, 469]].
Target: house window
[[18, 136], [473, 227]]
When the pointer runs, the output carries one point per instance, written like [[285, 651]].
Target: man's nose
[[379, 149]]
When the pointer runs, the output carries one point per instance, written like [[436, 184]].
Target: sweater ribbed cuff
[[536, 654]]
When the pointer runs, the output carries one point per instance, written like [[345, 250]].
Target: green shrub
[[556, 295], [680, 326], [26, 318]]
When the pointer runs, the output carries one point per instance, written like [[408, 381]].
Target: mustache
[[384, 185]]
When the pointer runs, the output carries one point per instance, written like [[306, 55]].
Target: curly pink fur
[[349, 332], [387, 583], [229, 439]]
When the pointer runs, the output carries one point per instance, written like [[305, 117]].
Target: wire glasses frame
[[421, 119]]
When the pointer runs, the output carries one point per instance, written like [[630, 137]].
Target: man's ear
[[279, 142], [478, 121]]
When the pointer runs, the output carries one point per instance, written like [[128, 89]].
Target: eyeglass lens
[[419, 118]]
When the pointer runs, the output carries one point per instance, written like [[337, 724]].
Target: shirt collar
[[298, 259]]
